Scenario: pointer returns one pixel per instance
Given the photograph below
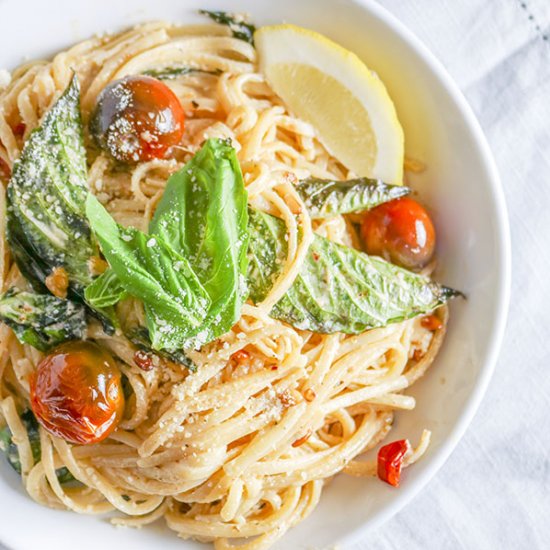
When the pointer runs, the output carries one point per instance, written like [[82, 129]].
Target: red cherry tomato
[[76, 393], [137, 118], [400, 231]]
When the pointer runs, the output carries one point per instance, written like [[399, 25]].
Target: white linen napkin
[[494, 491]]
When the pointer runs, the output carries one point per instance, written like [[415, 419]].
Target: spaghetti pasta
[[239, 450]]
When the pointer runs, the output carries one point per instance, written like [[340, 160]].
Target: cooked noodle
[[238, 448]]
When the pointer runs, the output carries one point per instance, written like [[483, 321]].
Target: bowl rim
[[502, 289], [504, 265]]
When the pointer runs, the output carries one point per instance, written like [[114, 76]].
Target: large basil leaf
[[47, 224], [12, 454], [148, 268], [42, 320], [325, 198], [46, 218], [339, 289], [203, 215]]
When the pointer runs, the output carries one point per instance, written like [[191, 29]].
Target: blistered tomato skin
[[137, 118], [76, 393], [400, 231]]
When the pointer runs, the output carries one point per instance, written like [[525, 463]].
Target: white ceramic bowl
[[461, 187]]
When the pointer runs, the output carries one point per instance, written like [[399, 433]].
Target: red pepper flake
[[274, 367], [19, 129], [431, 322], [316, 256], [5, 171], [143, 360], [302, 439], [390, 461]]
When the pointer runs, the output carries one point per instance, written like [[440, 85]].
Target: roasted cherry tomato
[[76, 393], [400, 231], [390, 461], [137, 118]]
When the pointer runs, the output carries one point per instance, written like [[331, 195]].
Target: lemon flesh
[[331, 88]]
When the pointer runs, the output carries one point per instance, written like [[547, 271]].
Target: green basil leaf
[[42, 320], [148, 268], [203, 214], [339, 289], [239, 28], [12, 454], [105, 291], [47, 224], [46, 216], [325, 198], [203, 217]]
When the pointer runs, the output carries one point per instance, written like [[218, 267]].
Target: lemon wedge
[[330, 87]]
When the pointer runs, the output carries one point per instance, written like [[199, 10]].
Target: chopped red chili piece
[[431, 322], [143, 360], [390, 461]]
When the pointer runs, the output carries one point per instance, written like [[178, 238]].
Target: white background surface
[[494, 490]]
